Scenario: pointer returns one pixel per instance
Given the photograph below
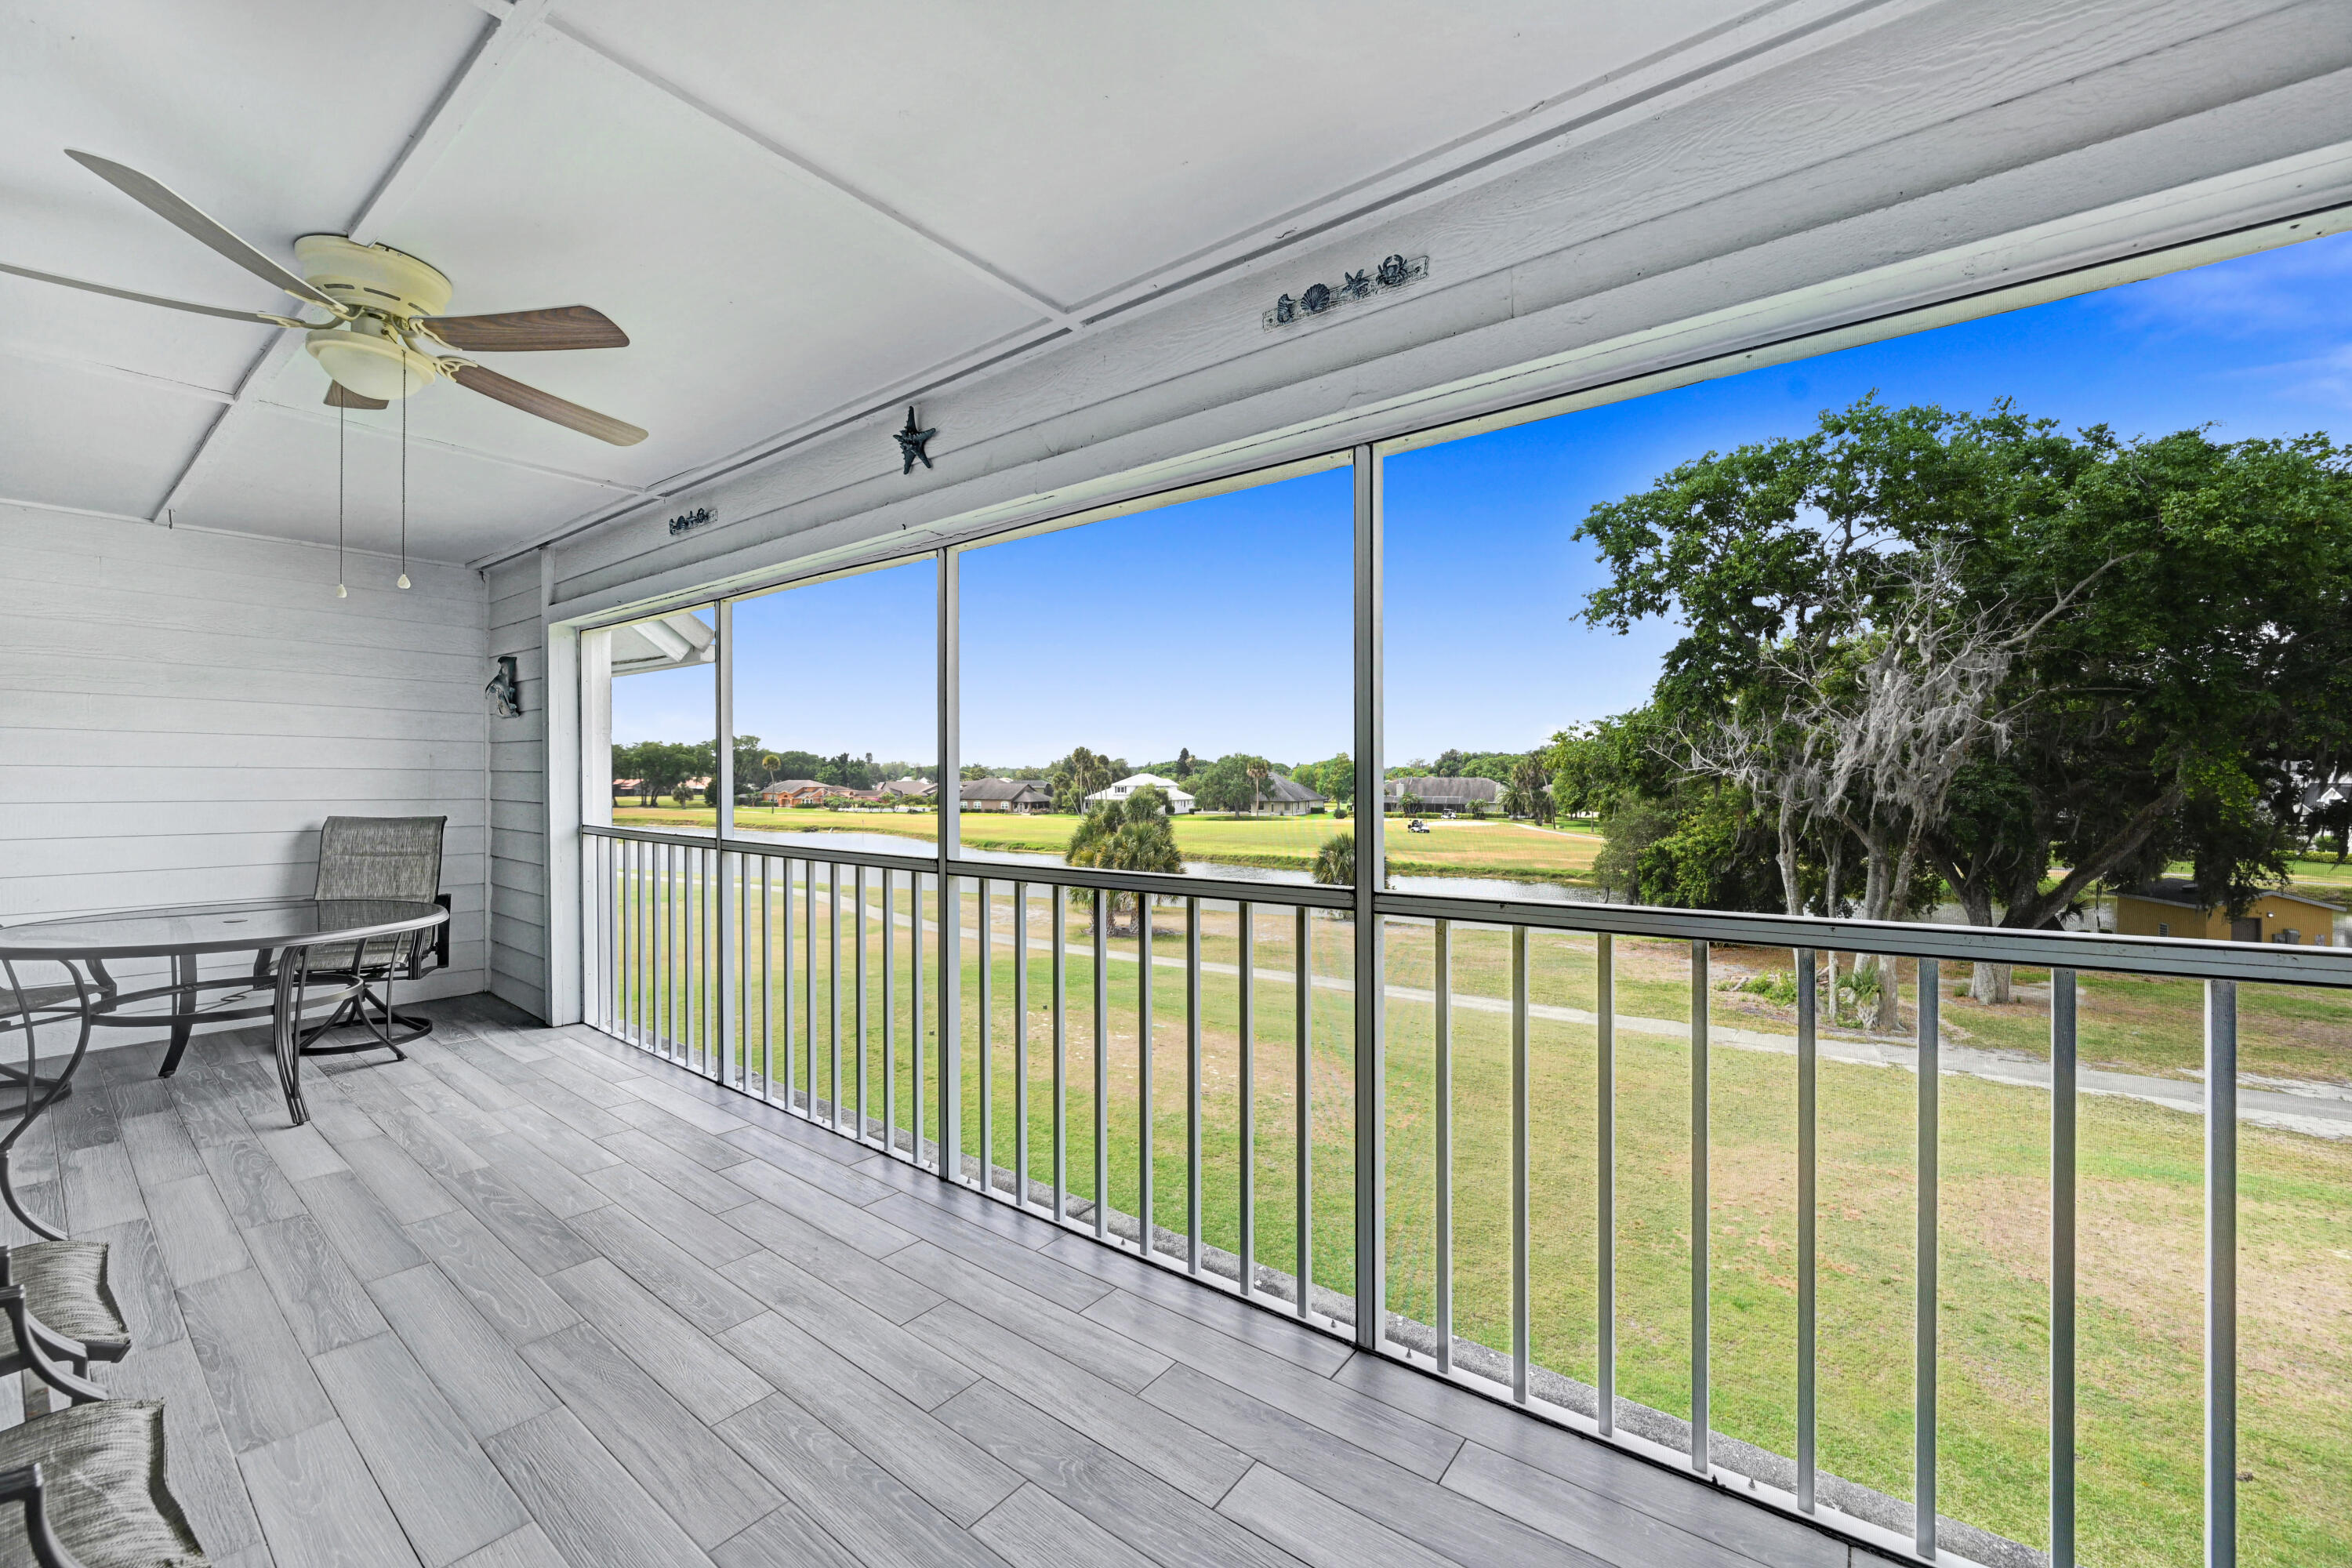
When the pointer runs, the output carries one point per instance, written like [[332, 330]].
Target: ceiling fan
[[385, 337]]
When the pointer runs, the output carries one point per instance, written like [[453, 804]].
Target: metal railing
[[832, 984]]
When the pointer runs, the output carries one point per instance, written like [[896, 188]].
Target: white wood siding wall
[[180, 710], [518, 795]]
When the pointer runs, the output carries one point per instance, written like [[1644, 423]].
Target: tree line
[[1931, 655]]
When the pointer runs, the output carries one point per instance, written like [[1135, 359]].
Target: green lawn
[[1503, 849], [2139, 1234]]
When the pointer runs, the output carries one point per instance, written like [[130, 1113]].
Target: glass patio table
[[351, 935]]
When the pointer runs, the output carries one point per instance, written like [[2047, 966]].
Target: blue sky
[[1222, 624]]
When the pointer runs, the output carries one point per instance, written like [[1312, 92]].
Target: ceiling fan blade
[[174, 209], [510, 331], [222, 311], [547, 405], [341, 396]]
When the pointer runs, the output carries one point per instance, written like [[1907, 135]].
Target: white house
[[1180, 801]]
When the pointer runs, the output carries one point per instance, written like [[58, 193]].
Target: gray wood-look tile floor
[[533, 1298]]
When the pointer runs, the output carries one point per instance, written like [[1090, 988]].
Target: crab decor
[[911, 442]]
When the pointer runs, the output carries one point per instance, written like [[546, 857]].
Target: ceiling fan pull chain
[[341, 415], [403, 475]]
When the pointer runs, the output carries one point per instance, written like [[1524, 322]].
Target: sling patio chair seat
[[86, 1487], [67, 1293]]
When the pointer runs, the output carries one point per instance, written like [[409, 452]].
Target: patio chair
[[88, 1479], [380, 857], [389, 857]]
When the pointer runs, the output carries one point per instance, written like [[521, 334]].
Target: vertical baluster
[[1248, 1092], [1441, 997], [809, 1032], [633, 891], [1520, 1327], [987, 1040], [1808, 1168], [767, 979], [1604, 1170], [915, 1076], [1698, 1207], [788, 1012], [1303, 1102], [1143, 1128], [858, 928], [1021, 1044], [1061, 935], [664, 962], [832, 987], [2221, 1273], [1924, 1335], [889, 1020], [697, 964], [2061, 1268], [1192, 1086], [951, 1030], [1102, 1065]]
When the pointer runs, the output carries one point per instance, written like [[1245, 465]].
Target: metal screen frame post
[[1699, 1462], [722, 829], [1371, 863], [2221, 1273], [2061, 1267], [950, 849]]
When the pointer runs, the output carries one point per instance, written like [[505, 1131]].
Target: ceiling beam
[[501, 37]]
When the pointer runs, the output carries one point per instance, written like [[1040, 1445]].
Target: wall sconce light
[[506, 688]]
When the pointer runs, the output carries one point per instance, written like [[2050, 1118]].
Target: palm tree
[[1133, 834], [1334, 862], [1530, 791], [1257, 770]]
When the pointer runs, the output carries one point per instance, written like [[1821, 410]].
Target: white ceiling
[[795, 212]]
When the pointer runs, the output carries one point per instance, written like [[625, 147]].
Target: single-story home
[[1280, 796], [1436, 794], [908, 789], [1180, 801], [802, 791], [1003, 794], [2171, 907]]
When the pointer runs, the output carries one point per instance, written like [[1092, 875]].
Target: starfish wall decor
[[911, 442]]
